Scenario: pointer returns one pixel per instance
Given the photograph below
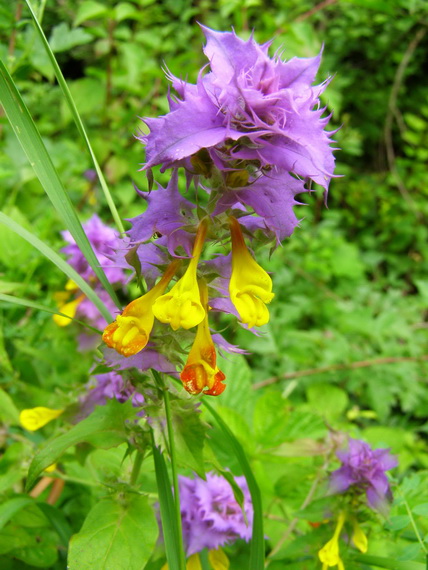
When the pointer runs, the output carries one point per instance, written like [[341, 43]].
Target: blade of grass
[[167, 510], [33, 146], [392, 564], [32, 305], [257, 552], [173, 458], [59, 262], [66, 92]]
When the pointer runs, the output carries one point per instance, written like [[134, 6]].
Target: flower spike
[[181, 306], [201, 370], [130, 332], [250, 285]]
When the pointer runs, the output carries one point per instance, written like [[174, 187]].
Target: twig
[[305, 503], [12, 39], [55, 493], [41, 486], [334, 367], [393, 111], [315, 9]]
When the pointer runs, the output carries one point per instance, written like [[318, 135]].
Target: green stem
[[173, 458], [136, 467], [70, 101]]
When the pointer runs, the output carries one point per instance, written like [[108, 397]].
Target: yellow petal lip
[[359, 538], [68, 309], [51, 468], [218, 559], [33, 419]]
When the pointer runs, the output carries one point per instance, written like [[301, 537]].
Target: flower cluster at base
[[360, 478], [210, 515], [250, 135]]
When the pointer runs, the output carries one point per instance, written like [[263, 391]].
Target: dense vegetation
[[345, 351]]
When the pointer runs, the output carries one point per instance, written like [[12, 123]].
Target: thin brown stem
[[41, 486], [12, 39], [335, 367], [290, 529], [393, 112], [315, 9]]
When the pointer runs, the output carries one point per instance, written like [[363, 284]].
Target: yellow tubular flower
[[201, 370], [181, 306], [68, 309], [34, 418], [130, 332], [218, 560], [359, 537], [250, 286], [329, 553]]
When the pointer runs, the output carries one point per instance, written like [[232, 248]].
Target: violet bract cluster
[[248, 136], [363, 472], [360, 478], [211, 517]]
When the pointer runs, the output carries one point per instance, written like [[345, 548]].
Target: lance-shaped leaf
[[35, 149]]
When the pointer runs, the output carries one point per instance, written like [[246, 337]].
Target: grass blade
[[59, 262], [392, 564], [32, 305], [257, 552], [64, 87], [33, 146], [167, 510]]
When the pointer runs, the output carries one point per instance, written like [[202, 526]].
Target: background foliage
[[346, 348]]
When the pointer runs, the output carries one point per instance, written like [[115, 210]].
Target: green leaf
[[33, 146], [105, 428], [189, 434], [421, 509], [117, 533], [328, 399], [90, 11], [59, 262], [398, 522], [11, 507], [88, 95], [63, 39], [257, 549], [41, 549], [125, 10], [9, 413], [189, 431], [22, 250], [58, 521]]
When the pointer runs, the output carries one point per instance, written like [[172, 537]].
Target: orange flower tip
[[195, 379], [218, 388], [125, 343]]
